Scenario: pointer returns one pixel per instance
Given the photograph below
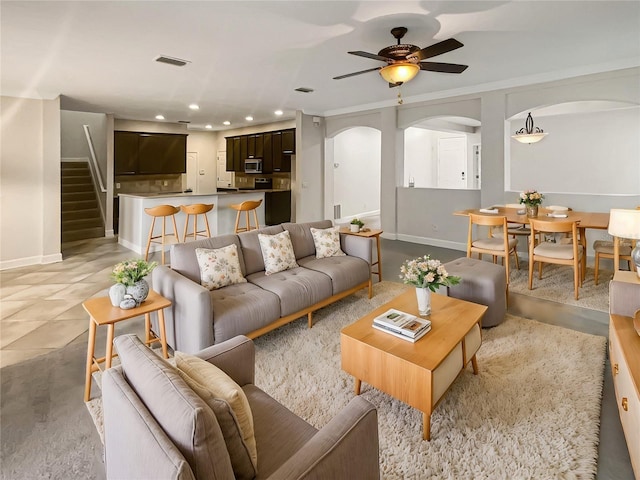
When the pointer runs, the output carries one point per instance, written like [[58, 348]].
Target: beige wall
[[29, 182]]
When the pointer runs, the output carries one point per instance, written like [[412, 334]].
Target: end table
[[101, 312], [371, 233]]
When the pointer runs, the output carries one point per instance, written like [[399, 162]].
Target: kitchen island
[[134, 223]]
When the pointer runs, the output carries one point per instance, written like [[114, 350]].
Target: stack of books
[[402, 325]]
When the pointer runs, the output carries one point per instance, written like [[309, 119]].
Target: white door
[[223, 178], [192, 171], [452, 162]]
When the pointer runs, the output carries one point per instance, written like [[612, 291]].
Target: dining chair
[[606, 249], [494, 245], [561, 253]]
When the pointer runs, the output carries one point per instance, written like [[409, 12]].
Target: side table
[[101, 312], [372, 233]]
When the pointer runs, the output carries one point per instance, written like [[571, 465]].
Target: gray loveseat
[[199, 318], [156, 426]]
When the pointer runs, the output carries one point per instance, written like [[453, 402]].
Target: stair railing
[[95, 173]]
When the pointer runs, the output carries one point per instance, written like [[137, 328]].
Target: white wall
[[357, 154], [29, 182]]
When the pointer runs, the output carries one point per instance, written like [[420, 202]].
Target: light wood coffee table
[[416, 373]]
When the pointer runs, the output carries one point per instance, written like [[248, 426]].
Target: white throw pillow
[[277, 252], [219, 267], [327, 242]]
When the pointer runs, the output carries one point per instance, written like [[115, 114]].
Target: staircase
[[81, 218]]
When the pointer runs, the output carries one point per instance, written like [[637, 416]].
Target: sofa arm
[[345, 448], [354, 246], [624, 298], [236, 357], [189, 320]]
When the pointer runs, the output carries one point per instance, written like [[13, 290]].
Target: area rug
[[532, 412], [556, 285]]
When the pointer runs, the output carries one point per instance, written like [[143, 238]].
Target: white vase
[[139, 291], [424, 301], [355, 228], [116, 294]]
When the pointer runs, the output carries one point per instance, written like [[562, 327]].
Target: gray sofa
[[157, 427], [199, 318]]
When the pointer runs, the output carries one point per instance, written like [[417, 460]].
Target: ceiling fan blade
[[356, 73], [436, 49], [443, 67], [369, 55]]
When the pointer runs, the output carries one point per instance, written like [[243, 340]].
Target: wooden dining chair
[[571, 254], [606, 249], [496, 245]]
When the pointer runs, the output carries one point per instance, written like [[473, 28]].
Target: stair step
[[80, 224], [77, 187], [79, 205], [86, 214], [75, 180], [70, 236], [80, 196], [70, 165]]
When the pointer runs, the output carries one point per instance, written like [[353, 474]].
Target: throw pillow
[[327, 242], [219, 267], [212, 384], [277, 252]]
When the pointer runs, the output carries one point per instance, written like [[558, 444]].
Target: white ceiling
[[248, 57]]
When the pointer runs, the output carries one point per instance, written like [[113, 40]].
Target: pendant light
[[529, 134]]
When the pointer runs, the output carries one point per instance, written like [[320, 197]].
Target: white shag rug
[[533, 411], [557, 285]]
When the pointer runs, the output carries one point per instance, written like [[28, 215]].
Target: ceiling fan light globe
[[529, 137], [399, 72]]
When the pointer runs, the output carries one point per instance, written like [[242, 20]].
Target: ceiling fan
[[404, 61]]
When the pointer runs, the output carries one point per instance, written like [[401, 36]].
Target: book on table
[[402, 323], [384, 329]]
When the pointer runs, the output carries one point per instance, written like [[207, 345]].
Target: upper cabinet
[[149, 153], [274, 148]]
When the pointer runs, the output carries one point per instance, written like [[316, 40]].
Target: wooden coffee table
[[416, 373]]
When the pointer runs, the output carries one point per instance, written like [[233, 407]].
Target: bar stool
[[195, 210], [163, 211], [246, 207]]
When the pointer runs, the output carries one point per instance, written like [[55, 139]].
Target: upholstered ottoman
[[482, 282]]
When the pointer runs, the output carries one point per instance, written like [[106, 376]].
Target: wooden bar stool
[[163, 211], [195, 210], [246, 207]]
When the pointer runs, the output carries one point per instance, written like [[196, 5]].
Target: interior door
[[452, 162], [192, 171]]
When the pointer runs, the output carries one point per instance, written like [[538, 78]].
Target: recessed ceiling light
[[194, 106], [226, 122], [278, 112], [159, 117], [249, 118], [208, 126]]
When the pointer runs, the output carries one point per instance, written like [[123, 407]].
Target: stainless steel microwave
[[253, 165]]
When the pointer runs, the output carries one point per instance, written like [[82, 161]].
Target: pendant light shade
[[400, 72], [529, 134]]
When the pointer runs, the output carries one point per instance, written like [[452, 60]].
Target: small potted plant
[[356, 225], [130, 274]]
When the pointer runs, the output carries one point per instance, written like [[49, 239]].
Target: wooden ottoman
[[483, 283]]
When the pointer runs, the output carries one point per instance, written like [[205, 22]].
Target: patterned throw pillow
[[277, 252], [219, 267], [327, 241]]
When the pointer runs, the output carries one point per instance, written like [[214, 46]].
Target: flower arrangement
[[531, 198], [425, 272], [132, 271], [358, 222]]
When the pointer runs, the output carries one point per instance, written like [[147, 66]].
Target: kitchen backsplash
[[147, 184]]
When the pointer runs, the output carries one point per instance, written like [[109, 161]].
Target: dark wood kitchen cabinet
[[230, 152], [289, 141], [274, 148], [267, 156], [149, 153]]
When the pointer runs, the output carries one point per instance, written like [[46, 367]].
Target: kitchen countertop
[[192, 194]]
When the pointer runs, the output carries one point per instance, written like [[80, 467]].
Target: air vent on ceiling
[[184, 121], [304, 89], [172, 61]]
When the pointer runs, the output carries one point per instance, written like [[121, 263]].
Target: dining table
[[585, 220]]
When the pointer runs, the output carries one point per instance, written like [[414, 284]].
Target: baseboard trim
[[435, 242], [28, 261]]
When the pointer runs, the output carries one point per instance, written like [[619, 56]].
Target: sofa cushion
[[219, 267], [242, 308], [279, 432], [230, 405], [297, 288], [277, 252], [185, 262], [182, 414], [251, 251], [345, 272], [301, 238], [327, 242]]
